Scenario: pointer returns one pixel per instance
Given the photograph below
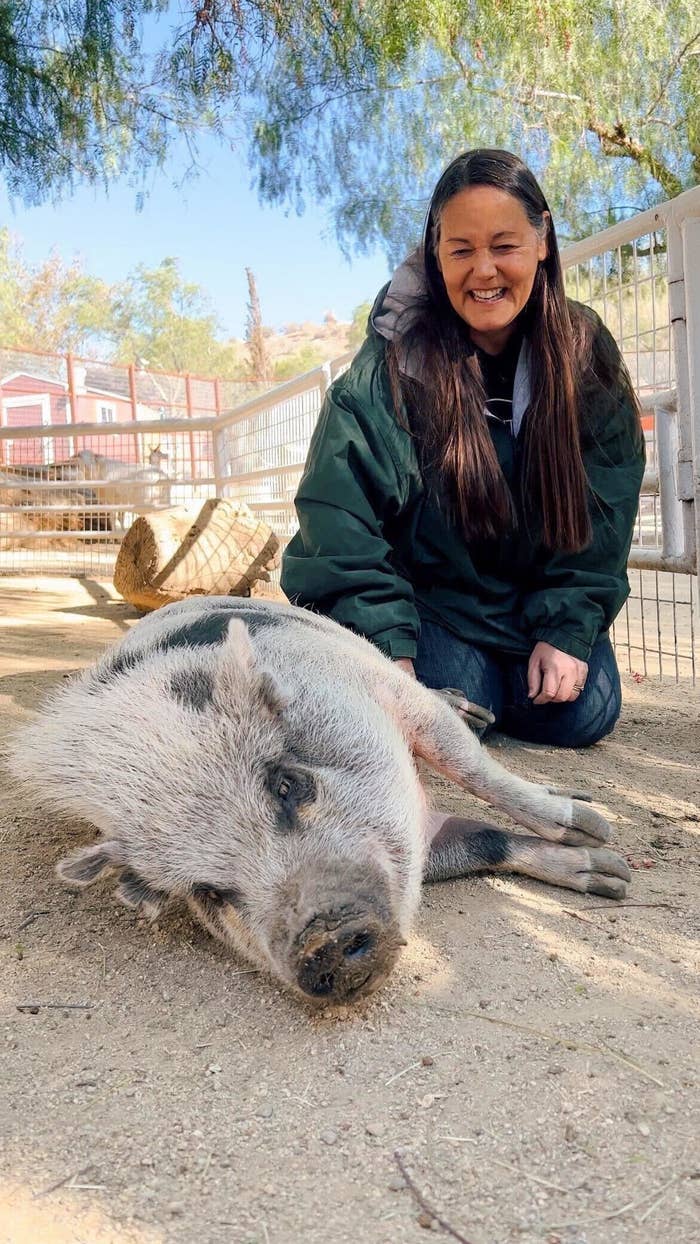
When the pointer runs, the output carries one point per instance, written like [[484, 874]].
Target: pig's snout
[[340, 959]]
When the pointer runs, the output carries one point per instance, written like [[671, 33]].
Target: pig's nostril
[[337, 962], [359, 945], [323, 986]]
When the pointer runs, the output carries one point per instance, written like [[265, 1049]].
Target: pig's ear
[[136, 893], [237, 668], [272, 695], [237, 652], [85, 866]]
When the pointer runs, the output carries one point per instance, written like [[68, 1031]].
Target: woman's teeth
[[486, 295]]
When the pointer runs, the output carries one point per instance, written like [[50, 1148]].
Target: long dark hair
[[446, 406]]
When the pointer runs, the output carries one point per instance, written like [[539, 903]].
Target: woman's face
[[488, 255]]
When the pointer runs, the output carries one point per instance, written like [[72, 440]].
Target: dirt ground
[[532, 1062]]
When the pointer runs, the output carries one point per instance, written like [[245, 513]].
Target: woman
[[471, 486]]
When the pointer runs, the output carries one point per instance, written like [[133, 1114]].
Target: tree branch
[[674, 66], [615, 141]]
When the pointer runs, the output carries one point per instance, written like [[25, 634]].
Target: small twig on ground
[[33, 915], [576, 915], [527, 1174], [427, 1209], [648, 1212], [615, 906], [594, 924], [60, 1183], [624, 1209], [568, 1042], [517, 1170], [398, 1075], [33, 1007]]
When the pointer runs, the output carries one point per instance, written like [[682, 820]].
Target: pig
[[259, 761]]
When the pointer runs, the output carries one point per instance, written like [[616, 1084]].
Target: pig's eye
[[214, 896], [210, 896], [291, 787]]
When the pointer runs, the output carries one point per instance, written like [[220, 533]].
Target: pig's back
[[337, 684], [277, 630]]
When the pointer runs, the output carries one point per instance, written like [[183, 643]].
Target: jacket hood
[[393, 301]]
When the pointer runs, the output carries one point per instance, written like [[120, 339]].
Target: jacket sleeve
[[577, 596], [340, 561]]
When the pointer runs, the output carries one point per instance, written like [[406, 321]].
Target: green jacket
[[375, 552]]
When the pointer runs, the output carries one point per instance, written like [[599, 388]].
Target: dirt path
[[532, 1058]]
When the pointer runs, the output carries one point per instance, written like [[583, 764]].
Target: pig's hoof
[[584, 826], [604, 873], [589, 870]]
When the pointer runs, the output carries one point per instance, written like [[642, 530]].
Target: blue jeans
[[500, 684]]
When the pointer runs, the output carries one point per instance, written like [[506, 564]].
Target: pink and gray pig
[[260, 762]]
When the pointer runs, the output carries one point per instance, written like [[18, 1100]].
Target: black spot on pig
[[212, 627], [209, 630], [193, 689], [206, 631], [465, 846], [134, 892], [492, 847], [122, 663]]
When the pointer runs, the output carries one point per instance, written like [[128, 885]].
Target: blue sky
[[216, 228]]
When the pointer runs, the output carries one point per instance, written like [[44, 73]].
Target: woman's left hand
[[554, 677]]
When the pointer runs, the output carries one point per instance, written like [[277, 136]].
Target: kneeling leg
[[463, 847]]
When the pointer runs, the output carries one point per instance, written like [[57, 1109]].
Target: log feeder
[[218, 548]]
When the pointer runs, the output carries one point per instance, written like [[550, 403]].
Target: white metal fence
[[642, 276]]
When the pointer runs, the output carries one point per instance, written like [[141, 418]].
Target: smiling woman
[[471, 487]]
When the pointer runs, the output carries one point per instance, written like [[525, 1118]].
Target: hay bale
[[217, 548]]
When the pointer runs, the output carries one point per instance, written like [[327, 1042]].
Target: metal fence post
[[690, 232], [678, 278], [217, 443]]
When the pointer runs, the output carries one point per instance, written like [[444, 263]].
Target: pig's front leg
[[461, 847], [439, 737]]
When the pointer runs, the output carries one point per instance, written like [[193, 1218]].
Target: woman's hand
[[553, 677], [405, 663]]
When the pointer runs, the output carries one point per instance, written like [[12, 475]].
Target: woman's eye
[[503, 250]]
